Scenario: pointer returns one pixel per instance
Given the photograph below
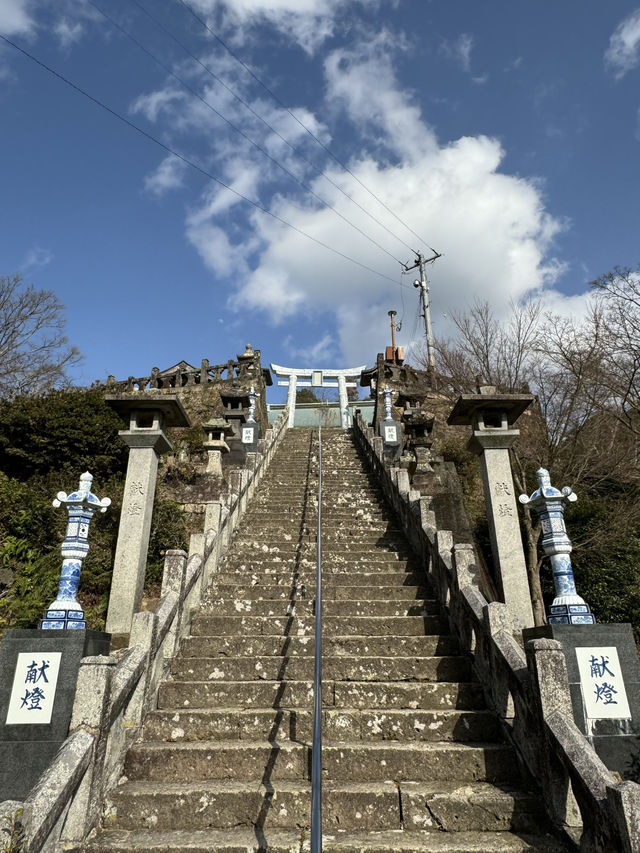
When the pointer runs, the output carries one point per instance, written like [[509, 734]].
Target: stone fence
[[185, 375], [114, 693], [529, 689]]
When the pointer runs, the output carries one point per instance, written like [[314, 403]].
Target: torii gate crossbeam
[[317, 378]]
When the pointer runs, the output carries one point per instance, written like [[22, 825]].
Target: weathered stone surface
[[412, 759]]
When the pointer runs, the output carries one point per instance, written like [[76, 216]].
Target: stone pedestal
[[148, 415], [391, 434], [251, 434], [38, 672], [604, 680], [491, 415]]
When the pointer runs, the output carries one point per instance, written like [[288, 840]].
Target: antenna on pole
[[422, 283]]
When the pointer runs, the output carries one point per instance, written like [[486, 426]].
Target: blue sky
[[505, 134]]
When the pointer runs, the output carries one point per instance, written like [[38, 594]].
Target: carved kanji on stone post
[[148, 413], [491, 416]]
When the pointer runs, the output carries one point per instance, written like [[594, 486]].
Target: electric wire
[[241, 132], [257, 115], [301, 123], [186, 159]]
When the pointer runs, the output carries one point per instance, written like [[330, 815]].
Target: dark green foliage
[[306, 395], [606, 556], [71, 430], [168, 531], [45, 444]]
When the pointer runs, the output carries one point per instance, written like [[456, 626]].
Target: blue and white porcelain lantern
[[568, 608], [81, 506]]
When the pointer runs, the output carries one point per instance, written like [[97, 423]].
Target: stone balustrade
[[184, 376], [114, 692], [528, 688]]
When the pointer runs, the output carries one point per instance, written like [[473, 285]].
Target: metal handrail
[[316, 754]]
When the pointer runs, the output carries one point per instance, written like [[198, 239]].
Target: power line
[[277, 133], [186, 160], [302, 124], [241, 132]]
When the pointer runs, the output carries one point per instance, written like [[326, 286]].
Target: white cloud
[[459, 50], [623, 52], [492, 228], [169, 175], [15, 17], [362, 82], [157, 103], [36, 258], [323, 351], [68, 32], [308, 22]]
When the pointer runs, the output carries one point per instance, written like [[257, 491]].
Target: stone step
[[346, 806], [364, 626], [435, 644], [334, 668], [351, 761], [356, 553], [330, 564], [218, 606], [303, 591], [297, 725], [246, 840], [391, 695], [280, 574]]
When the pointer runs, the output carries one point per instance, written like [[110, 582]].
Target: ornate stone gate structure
[[302, 377]]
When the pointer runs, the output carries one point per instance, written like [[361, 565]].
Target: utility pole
[[392, 314], [420, 264]]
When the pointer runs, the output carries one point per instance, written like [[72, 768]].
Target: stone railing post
[[550, 685], [173, 578], [91, 713]]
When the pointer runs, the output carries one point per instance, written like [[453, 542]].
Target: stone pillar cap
[[467, 405], [168, 405], [218, 424]]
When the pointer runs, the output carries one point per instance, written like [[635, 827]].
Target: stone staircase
[[413, 761]]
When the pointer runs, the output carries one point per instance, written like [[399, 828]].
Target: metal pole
[[316, 755]]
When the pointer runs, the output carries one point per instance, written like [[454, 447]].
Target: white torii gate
[[302, 377]]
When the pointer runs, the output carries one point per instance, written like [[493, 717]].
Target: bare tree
[[34, 352], [499, 352], [581, 427], [602, 354]]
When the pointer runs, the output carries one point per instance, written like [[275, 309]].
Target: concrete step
[[334, 668], [219, 606], [363, 626], [245, 840], [256, 592], [297, 725], [352, 761], [391, 695], [435, 644], [345, 806]]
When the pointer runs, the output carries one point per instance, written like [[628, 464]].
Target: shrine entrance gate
[[301, 377]]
